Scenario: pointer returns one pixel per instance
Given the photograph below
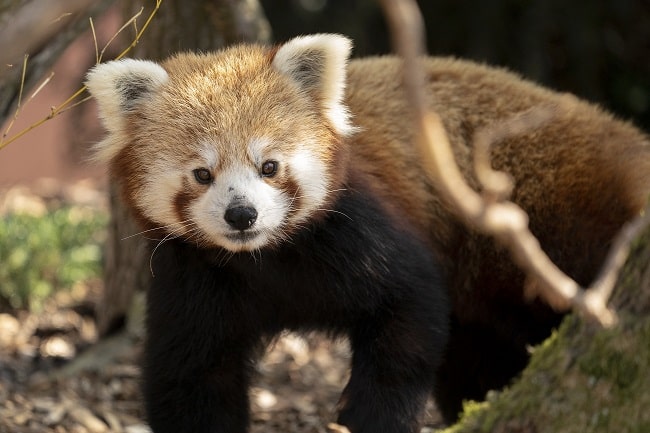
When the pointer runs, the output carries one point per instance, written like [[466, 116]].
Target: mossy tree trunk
[[584, 378], [179, 25]]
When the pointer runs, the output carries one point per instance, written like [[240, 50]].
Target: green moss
[[583, 379], [641, 428], [470, 409], [615, 366]]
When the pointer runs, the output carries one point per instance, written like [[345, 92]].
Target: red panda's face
[[236, 149]]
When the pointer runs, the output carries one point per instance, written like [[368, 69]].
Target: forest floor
[[57, 376]]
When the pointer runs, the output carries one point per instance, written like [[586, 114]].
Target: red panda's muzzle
[[240, 217]]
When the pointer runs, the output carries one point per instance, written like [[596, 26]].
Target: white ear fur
[[318, 63], [117, 86]]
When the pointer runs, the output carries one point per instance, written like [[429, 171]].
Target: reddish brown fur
[[580, 177], [181, 116]]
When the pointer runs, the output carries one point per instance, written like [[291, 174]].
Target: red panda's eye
[[269, 168], [203, 176]]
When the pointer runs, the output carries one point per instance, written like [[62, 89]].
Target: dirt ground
[[55, 376]]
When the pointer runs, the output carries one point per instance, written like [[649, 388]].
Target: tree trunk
[[584, 378], [178, 26]]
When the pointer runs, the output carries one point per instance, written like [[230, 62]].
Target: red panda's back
[[583, 159], [580, 176]]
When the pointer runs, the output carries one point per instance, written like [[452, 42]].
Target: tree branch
[[34, 24], [74, 100], [42, 30]]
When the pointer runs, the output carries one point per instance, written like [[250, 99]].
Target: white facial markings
[[209, 156], [240, 185], [237, 182], [310, 174], [258, 150], [156, 196], [165, 189], [164, 179]]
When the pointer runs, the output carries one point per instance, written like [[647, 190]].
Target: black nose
[[240, 217]]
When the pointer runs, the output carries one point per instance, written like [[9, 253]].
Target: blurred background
[[597, 49], [65, 264]]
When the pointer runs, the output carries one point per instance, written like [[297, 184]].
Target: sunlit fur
[[216, 115], [342, 135]]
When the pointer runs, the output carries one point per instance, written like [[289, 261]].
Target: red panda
[[287, 195]]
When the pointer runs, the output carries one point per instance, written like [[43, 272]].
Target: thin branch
[[34, 24], [499, 185], [61, 108], [603, 285], [92, 28], [489, 213], [133, 20], [20, 98], [22, 80], [76, 104], [62, 16], [337, 428], [142, 30], [41, 86]]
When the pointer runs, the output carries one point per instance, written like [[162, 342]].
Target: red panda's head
[[235, 148]]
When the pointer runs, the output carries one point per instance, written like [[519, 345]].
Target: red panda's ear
[[318, 64], [118, 86]]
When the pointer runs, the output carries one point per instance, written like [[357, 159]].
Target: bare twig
[[337, 428], [34, 24], [92, 28], [133, 20], [497, 184], [20, 99], [20, 95], [41, 86], [603, 286], [490, 213], [70, 102]]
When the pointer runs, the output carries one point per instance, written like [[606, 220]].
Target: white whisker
[[338, 212], [227, 256], [156, 228], [171, 235], [254, 254]]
